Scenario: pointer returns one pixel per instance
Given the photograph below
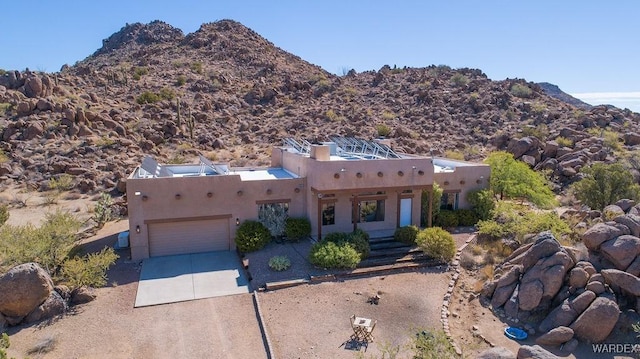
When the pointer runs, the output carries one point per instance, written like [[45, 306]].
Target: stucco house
[[339, 186]]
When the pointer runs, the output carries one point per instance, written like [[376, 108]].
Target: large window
[[371, 211], [328, 213], [449, 201]]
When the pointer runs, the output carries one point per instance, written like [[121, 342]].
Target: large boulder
[[534, 352], [530, 295], [549, 272], [599, 233], [496, 353], [623, 281], [567, 312], [23, 288], [621, 251], [578, 277], [54, 305], [555, 336], [596, 322]]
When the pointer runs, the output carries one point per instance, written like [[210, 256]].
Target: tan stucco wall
[[315, 177], [161, 201]]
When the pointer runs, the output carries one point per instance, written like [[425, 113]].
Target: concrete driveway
[[179, 278]]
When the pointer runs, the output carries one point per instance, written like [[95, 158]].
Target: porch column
[[430, 210], [354, 212], [319, 223]]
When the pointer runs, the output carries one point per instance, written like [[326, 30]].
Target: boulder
[[621, 251], [623, 281], [599, 233], [82, 295], [534, 352], [596, 322], [530, 294], [53, 306], [596, 287], [631, 139], [625, 204], [496, 353], [555, 336], [562, 315], [578, 277], [3, 323], [582, 301], [33, 87], [520, 146], [23, 288], [587, 266], [551, 272], [634, 267], [612, 210], [632, 221], [511, 306], [502, 294], [551, 149], [570, 346]]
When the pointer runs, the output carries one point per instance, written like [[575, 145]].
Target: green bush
[[252, 236], [482, 202], [4, 214], [297, 228], [459, 79], [103, 211], [447, 219], [466, 217], [358, 240], [328, 254], [62, 183], [279, 263], [564, 142], [148, 97], [437, 243], [90, 270], [383, 130], [432, 345], [181, 80], [138, 72], [406, 234], [522, 91]]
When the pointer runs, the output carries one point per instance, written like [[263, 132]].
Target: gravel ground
[[307, 321]]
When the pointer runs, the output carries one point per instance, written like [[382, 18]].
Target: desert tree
[[604, 184]]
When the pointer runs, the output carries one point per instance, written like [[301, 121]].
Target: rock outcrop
[[572, 299], [23, 288]]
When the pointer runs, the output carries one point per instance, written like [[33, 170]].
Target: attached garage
[[188, 236]]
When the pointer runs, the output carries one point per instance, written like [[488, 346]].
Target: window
[[328, 214], [371, 211], [449, 201]]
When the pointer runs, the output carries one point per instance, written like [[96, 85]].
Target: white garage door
[[188, 237]]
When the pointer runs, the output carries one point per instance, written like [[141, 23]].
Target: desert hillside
[[230, 94]]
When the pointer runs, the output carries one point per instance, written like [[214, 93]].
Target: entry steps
[[387, 251]]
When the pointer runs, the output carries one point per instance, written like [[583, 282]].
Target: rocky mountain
[[555, 92], [230, 94]]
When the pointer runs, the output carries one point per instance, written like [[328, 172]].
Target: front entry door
[[405, 212]]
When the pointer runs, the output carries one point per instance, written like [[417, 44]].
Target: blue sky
[[585, 47]]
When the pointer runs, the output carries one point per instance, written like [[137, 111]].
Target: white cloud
[[630, 100]]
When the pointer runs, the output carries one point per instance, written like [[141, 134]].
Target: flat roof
[[259, 174]]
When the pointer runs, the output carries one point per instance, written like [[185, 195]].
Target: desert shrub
[[516, 221], [49, 245], [447, 219], [138, 72], [103, 211], [437, 243], [148, 97], [167, 93], [454, 155], [540, 131], [459, 79], [61, 183], [482, 202], [383, 130], [604, 184], [5, 343], [3, 156], [4, 214], [297, 228], [279, 263], [90, 270], [328, 254], [388, 115], [564, 142], [432, 345], [466, 217], [196, 67], [406, 234], [181, 80], [252, 236], [520, 90], [358, 240], [331, 115]]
